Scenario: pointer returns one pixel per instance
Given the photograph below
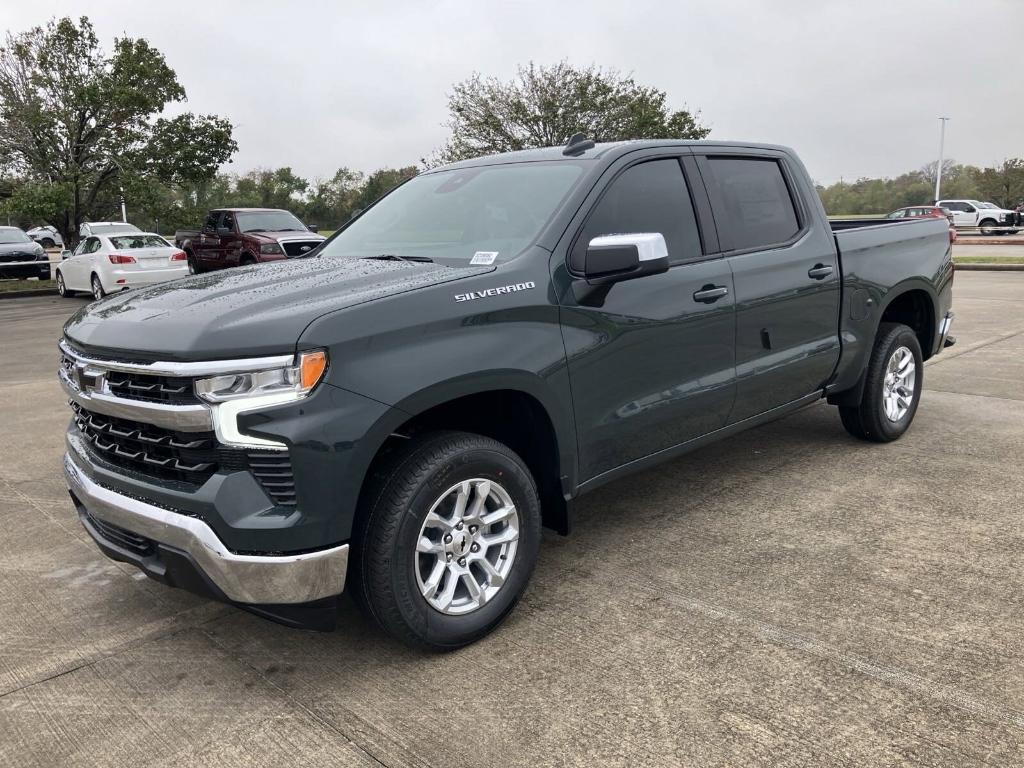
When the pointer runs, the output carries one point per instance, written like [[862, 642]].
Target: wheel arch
[[516, 416]]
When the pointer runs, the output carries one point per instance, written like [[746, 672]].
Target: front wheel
[[448, 541], [62, 289], [892, 387], [988, 227]]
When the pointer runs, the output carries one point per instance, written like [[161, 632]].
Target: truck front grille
[[153, 389], [299, 247], [188, 457]]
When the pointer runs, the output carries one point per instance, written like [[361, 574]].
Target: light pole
[[938, 168]]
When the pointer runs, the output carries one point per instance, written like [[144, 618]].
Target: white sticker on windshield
[[483, 258]]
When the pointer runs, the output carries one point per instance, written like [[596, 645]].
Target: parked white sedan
[[102, 264]]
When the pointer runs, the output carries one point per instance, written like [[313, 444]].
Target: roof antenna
[[578, 144]]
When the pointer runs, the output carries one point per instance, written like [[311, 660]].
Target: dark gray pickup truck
[[401, 410]]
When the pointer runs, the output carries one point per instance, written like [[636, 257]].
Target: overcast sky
[[855, 87]]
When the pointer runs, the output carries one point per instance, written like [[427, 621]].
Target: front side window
[[759, 210], [645, 198], [491, 212]]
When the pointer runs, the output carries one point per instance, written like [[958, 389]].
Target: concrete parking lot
[[788, 597]]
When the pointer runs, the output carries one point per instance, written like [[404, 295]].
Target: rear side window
[[759, 209], [648, 197]]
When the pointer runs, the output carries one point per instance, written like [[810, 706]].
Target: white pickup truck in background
[[987, 217]]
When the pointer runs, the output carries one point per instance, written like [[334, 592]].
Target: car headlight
[[233, 393], [271, 248]]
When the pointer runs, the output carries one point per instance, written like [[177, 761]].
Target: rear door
[[786, 275], [651, 359]]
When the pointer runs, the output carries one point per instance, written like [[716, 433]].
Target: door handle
[[709, 294], [819, 271]]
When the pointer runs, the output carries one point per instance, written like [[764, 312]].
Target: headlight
[[296, 380], [234, 393], [270, 248]]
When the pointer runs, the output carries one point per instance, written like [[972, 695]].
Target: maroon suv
[[234, 236]]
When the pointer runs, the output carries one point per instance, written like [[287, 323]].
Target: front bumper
[[297, 589], [40, 269]]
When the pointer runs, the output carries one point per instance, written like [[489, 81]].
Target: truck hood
[[249, 311], [286, 234]]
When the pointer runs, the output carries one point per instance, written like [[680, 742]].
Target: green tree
[[269, 188], [543, 106], [380, 182], [330, 202], [1004, 184], [76, 124]]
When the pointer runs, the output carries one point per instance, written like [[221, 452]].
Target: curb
[[986, 241], [26, 294], [988, 267]]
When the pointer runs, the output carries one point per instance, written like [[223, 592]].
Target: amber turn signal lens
[[312, 367]]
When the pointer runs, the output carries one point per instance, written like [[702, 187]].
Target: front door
[[207, 246], [651, 359], [786, 276]]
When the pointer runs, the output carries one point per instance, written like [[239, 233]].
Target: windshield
[[495, 210], [13, 236], [139, 241], [988, 205], [103, 229], [269, 221]]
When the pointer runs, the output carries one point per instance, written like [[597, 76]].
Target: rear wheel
[[97, 288], [47, 242], [892, 387], [193, 268], [448, 541]]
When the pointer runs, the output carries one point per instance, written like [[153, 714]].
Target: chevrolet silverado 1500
[[398, 413]]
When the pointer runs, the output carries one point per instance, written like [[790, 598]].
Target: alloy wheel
[[899, 384], [466, 546]]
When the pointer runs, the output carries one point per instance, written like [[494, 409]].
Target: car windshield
[[139, 241], [988, 205], [8, 236], [269, 221], [106, 229], [452, 216]]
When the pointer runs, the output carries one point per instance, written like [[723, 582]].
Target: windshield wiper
[[396, 257]]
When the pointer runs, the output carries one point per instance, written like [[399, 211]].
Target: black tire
[[383, 575], [47, 242], [193, 266], [97, 287], [988, 224], [246, 260], [62, 290], [868, 421]]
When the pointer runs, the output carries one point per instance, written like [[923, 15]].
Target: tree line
[[1002, 184]]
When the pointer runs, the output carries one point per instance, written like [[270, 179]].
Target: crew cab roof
[[604, 151]]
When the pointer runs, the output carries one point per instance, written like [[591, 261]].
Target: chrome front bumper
[[253, 579]]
